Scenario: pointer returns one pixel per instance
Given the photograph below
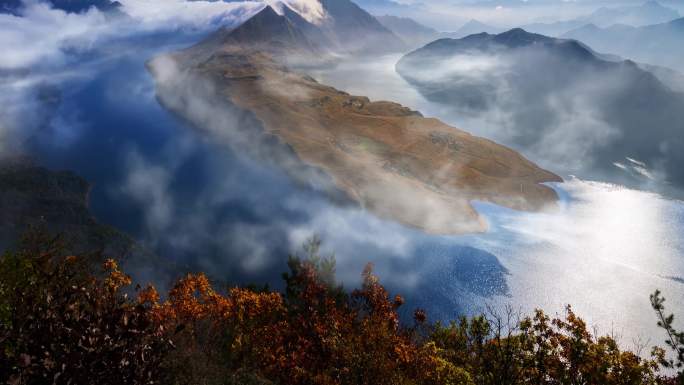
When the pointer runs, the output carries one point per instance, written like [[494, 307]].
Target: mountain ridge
[[409, 30], [543, 84], [657, 44], [470, 28], [648, 13]]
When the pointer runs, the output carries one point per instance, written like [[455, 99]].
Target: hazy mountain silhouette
[[355, 30], [659, 44], [556, 28], [647, 13], [558, 100], [650, 12], [470, 28], [379, 7], [409, 30]]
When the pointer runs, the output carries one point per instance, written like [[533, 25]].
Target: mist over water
[[378, 79], [187, 197]]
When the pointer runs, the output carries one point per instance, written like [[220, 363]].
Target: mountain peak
[[516, 31], [310, 10], [474, 23], [517, 37], [279, 32], [409, 30], [352, 29], [652, 4], [267, 12], [514, 39], [472, 27]]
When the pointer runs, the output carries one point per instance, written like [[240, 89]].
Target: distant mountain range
[[659, 44], [416, 34], [557, 97], [647, 13], [556, 28], [409, 30], [353, 29], [650, 12], [381, 7], [470, 28]]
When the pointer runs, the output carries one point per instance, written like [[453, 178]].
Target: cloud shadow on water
[[452, 277]]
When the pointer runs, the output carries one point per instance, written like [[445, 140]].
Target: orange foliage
[[310, 338], [57, 322]]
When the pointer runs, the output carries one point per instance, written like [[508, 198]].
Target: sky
[[451, 14]]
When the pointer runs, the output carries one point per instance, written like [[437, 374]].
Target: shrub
[[60, 323], [675, 339]]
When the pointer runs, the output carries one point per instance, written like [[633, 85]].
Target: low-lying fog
[[186, 196]]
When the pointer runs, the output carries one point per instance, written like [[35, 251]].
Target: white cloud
[[42, 47], [43, 34], [46, 37], [148, 185], [170, 14], [183, 13], [311, 10]]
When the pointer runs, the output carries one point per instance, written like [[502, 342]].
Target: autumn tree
[[59, 324]]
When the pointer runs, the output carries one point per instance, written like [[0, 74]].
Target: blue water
[[189, 198], [109, 128]]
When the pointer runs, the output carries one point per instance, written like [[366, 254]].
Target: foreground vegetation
[[60, 323]]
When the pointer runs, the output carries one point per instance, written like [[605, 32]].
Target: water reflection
[[604, 252]]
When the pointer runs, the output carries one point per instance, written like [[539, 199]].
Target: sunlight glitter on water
[[604, 252]]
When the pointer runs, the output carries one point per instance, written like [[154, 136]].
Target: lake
[[190, 198]]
